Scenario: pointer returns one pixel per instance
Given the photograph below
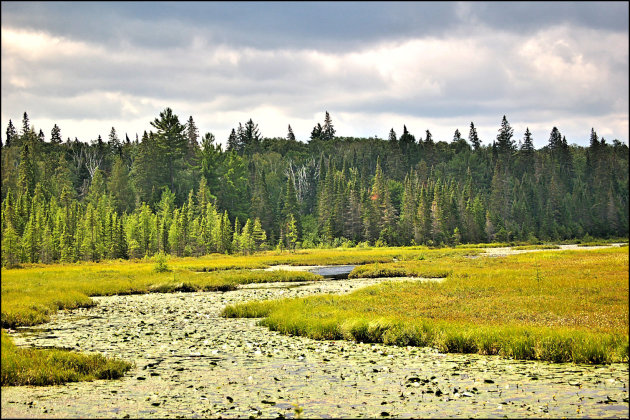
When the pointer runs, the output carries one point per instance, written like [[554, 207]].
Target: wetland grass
[[54, 366], [30, 294], [560, 306]]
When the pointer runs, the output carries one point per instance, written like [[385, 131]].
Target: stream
[[189, 362]]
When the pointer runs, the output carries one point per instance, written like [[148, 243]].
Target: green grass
[[30, 294], [51, 366], [569, 306]]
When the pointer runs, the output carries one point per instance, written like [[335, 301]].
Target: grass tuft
[[52, 366]]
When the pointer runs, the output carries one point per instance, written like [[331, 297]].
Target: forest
[[175, 192]]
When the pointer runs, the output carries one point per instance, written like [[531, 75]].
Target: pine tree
[[317, 132], [115, 146], [408, 212], [251, 137], [55, 135], [10, 247], [328, 131], [27, 176], [119, 185], [26, 126], [232, 142], [292, 233], [236, 237], [11, 135], [473, 138], [290, 135], [192, 137], [392, 136], [170, 144], [505, 144], [429, 138], [555, 139], [290, 204], [526, 153], [246, 241], [259, 236]]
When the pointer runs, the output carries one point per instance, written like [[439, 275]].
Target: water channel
[[189, 362]]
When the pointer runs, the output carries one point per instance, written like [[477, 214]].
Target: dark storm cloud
[[323, 25]]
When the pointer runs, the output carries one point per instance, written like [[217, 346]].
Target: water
[[191, 362], [333, 271]]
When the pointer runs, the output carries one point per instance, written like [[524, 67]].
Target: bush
[[160, 263]]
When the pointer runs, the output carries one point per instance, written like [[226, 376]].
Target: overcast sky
[[373, 66]]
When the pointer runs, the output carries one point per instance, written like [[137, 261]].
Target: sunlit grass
[[30, 294], [551, 305], [52, 366]]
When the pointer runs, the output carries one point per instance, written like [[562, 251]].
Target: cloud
[[377, 66]]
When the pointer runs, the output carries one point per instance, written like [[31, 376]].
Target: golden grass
[[53, 366], [549, 305], [30, 294]]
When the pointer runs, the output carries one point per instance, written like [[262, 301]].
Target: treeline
[[176, 192]]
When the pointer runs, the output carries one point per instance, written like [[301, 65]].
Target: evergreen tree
[[457, 137], [10, 246], [119, 185], [505, 144], [115, 146], [473, 138], [11, 134], [192, 137], [290, 135], [292, 233], [55, 135], [392, 136], [259, 236], [328, 131], [170, 144], [317, 132], [526, 153], [232, 142]]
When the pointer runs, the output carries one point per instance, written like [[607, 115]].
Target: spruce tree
[[11, 134], [328, 131], [505, 144], [392, 136], [292, 233], [232, 142], [290, 135], [473, 138], [55, 135], [170, 144]]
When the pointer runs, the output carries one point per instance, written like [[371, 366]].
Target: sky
[[91, 66]]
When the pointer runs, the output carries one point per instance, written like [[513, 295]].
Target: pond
[[192, 363]]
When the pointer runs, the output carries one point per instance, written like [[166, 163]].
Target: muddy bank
[[192, 363]]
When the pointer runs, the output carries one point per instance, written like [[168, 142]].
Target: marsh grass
[[30, 294], [52, 366], [568, 306], [29, 297]]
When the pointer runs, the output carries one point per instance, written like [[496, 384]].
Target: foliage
[[89, 201]]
